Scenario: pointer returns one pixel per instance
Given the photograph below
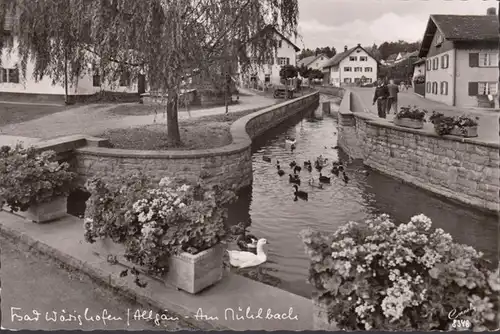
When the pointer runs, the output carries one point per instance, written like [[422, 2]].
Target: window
[[368, 69], [434, 87], [357, 80], [125, 79], [428, 65], [267, 78], [439, 40], [488, 60], [368, 80], [435, 63], [282, 61], [347, 69], [335, 69], [486, 88], [363, 58], [428, 84], [280, 43], [445, 59], [444, 88], [347, 80], [353, 58], [358, 69], [10, 75], [96, 79]]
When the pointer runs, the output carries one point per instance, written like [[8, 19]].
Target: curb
[[106, 279]]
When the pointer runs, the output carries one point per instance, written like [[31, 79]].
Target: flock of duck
[[251, 251]]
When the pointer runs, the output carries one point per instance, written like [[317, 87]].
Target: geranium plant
[[376, 275], [154, 223], [442, 124], [463, 122], [412, 113], [28, 177]]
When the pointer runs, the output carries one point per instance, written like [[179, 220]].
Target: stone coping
[[241, 141], [374, 120]]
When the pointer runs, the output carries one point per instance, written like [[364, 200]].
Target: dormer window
[[439, 40], [280, 43]]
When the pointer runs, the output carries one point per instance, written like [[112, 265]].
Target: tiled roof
[[392, 57], [335, 60], [307, 60], [467, 27]]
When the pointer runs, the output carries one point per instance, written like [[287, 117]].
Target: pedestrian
[[392, 101], [380, 97]]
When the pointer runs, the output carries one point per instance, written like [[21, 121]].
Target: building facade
[[461, 59], [314, 62], [354, 66]]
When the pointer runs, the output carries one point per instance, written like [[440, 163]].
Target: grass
[[136, 109], [18, 113], [196, 133]]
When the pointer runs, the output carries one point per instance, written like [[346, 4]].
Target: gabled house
[[313, 62], [286, 54], [353, 66], [461, 59]]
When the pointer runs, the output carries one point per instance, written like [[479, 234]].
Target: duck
[[247, 242], [300, 193], [297, 169], [336, 147], [309, 168], [335, 170], [290, 141], [307, 163], [341, 167], [313, 184], [266, 158], [292, 147], [324, 179], [241, 259], [345, 177], [281, 172], [293, 164], [294, 179]]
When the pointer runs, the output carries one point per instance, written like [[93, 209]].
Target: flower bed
[[159, 227], [34, 184], [464, 126], [376, 275]]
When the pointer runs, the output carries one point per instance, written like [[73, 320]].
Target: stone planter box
[[320, 318], [409, 123], [193, 273], [44, 212], [470, 131]]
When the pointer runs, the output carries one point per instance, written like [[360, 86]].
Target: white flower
[[182, 205], [165, 182]]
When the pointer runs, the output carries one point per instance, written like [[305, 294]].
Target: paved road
[[488, 128], [35, 282]]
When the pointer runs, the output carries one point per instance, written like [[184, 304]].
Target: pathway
[[95, 119], [488, 129]]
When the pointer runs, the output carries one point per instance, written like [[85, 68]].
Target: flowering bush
[[464, 121], [28, 177], [376, 275], [155, 223], [412, 113]]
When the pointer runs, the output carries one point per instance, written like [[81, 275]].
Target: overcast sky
[[349, 22]]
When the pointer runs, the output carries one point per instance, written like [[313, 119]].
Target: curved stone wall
[[462, 169], [229, 165]]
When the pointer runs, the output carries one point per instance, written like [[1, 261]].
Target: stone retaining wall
[[330, 90], [462, 169], [230, 165]]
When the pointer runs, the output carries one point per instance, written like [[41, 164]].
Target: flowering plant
[[376, 275], [155, 223], [442, 124], [464, 121], [412, 113], [28, 177]]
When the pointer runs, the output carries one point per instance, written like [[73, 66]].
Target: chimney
[[359, 44], [491, 11], [345, 48]]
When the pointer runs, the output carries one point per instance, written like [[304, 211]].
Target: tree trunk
[[498, 93], [173, 134]]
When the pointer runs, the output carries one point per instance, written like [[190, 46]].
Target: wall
[[418, 70], [346, 62], [441, 74], [318, 63], [465, 170], [229, 165], [466, 74], [330, 90]]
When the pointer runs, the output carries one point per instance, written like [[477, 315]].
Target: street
[[37, 291]]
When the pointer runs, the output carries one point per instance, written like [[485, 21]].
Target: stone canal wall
[[330, 90], [229, 165], [462, 169]]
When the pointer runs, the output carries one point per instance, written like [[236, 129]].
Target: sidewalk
[[63, 240], [488, 123], [93, 121]]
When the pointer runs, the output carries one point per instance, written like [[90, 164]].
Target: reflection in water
[[278, 218]]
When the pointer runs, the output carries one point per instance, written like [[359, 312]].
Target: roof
[[392, 57], [308, 60], [419, 61], [460, 28], [297, 49], [335, 60]]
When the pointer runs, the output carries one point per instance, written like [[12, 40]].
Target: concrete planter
[[409, 123], [320, 317], [44, 212], [193, 273], [470, 131]]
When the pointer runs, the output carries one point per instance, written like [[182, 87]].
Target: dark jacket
[[393, 91], [380, 92]]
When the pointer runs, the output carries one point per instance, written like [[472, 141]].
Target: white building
[[353, 66], [314, 62], [286, 54]]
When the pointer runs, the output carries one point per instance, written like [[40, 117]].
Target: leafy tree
[[316, 74], [389, 48], [288, 72], [305, 53], [170, 41]]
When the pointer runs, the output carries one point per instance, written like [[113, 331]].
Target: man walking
[[392, 102], [380, 96]]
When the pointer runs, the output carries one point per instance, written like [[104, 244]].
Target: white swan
[[241, 259]]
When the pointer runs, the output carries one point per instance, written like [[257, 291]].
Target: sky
[[349, 22]]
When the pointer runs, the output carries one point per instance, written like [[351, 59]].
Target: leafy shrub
[[376, 275], [155, 223], [28, 177], [412, 113]]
